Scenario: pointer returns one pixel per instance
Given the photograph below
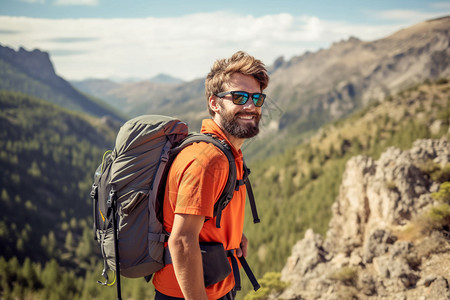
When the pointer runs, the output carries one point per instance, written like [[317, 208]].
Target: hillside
[[184, 100], [47, 157], [316, 88], [32, 73], [295, 191]]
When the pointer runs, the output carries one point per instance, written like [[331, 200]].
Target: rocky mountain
[[389, 236], [32, 73], [313, 89]]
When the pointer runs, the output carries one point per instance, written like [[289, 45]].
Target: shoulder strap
[[232, 182], [227, 193]]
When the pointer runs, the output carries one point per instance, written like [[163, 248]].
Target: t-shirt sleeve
[[201, 174]]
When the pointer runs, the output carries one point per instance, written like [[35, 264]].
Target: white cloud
[[184, 47], [76, 2]]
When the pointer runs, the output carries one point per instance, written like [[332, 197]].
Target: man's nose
[[249, 105]]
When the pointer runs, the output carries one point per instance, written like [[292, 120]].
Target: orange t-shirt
[[195, 181]]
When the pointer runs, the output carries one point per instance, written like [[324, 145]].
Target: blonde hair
[[239, 62]]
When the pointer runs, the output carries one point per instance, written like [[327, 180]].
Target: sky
[[139, 39]]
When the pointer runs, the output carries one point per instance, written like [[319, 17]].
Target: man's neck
[[236, 142]]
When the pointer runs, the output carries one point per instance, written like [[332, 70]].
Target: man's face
[[240, 121]]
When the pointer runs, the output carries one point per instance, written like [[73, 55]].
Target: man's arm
[[184, 248], [242, 250]]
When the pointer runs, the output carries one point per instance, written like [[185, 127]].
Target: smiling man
[[198, 175]]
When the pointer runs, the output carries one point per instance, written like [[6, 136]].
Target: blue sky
[[142, 38]]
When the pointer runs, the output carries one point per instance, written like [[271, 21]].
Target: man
[[198, 175]]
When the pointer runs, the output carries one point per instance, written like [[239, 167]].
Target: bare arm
[[186, 256]]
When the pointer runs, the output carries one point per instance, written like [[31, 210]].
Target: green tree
[[5, 196], [29, 274]]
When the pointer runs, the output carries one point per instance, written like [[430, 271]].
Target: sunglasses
[[240, 97]]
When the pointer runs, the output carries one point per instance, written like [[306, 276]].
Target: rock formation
[[372, 249]]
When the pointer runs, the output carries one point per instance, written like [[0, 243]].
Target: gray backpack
[[128, 193]]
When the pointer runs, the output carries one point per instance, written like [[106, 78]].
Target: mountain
[[96, 87], [32, 73], [316, 88], [313, 89], [164, 78], [389, 237], [149, 97]]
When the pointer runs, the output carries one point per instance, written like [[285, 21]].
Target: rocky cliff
[[32, 73], [380, 244]]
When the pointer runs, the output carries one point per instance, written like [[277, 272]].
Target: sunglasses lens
[[240, 98], [258, 99]]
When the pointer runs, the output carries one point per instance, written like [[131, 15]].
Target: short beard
[[231, 125]]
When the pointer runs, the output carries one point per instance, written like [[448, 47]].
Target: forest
[[48, 156]]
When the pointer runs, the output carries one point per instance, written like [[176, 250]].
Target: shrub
[[391, 185], [435, 171], [442, 81], [443, 194], [429, 167], [442, 175], [270, 283], [439, 217]]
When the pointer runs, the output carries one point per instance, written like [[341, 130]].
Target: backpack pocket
[[216, 266], [133, 223], [132, 200], [106, 240]]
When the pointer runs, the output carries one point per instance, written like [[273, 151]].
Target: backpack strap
[[251, 197], [249, 273], [232, 183], [247, 269], [227, 193]]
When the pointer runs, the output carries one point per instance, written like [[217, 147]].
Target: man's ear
[[214, 104]]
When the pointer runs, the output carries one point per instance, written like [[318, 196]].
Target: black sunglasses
[[240, 97]]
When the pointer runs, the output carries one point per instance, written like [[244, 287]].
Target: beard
[[242, 131]]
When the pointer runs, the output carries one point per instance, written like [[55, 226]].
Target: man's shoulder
[[202, 152]]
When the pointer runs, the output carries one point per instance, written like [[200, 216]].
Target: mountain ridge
[[315, 88], [32, 72]]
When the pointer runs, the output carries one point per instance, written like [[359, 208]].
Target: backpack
[[128, 193]]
